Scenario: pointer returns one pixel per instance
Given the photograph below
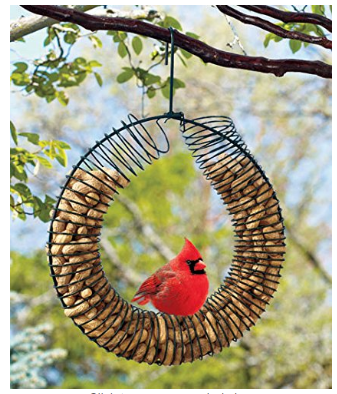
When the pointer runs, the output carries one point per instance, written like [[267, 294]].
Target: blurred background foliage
[[69, 87]]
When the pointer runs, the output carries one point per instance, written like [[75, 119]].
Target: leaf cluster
[[26, 162], [49, 77], [307, 28]]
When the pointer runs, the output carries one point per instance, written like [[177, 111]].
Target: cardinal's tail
[[141, 299]]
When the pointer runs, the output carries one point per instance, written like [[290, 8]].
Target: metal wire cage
[[86, 294]]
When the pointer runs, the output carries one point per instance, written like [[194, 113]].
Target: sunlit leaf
[[62, 97], [62, 158], [13, 133], [318, 9], [45, 162], [96, 41], [31, 137], [94, 63], [62, 145]]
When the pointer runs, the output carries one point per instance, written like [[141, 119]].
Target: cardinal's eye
[[188, 262]]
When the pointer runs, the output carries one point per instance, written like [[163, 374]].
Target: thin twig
[[236, 37]]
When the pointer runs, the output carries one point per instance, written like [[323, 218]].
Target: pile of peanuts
[[144, 336]]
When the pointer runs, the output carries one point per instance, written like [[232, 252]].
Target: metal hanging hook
[[171, 113]]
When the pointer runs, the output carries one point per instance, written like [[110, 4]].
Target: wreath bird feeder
[[86, 294]]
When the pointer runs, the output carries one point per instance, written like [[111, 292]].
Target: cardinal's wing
[[152, 285]]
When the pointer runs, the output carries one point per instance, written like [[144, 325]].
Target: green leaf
[[125, 75], [13, 133], [122, 35], [186, 54], [80, 61], [53, 77], [51, 35], [45, 162], [267, 40], [98, 79], [21, 67], [62, 97], [20, 79], [43, 214], [97, 43], [122, 50], [318, 9], [193, 35], [61, 145], [69, 25], [31, 137], [178, 83], [295, 45], [169, 21], [151, 79], [18, 172], [44, 208], [70, 38], [62, 158], [22, 189], [137, 45], [94, 63], [330, 6], [166, 91], [150, 93], [269, 37]]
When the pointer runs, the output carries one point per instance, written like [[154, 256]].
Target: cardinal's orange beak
[[199, 266]]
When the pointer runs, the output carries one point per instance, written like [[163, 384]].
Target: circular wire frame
[[88, 297]]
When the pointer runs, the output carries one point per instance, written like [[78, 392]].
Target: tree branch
[[291, 17], [28, 25], [278, 30], [205, 52]]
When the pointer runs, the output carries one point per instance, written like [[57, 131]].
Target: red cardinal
[[180, 287]]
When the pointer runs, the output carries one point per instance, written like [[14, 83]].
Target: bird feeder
[[87, 295]]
